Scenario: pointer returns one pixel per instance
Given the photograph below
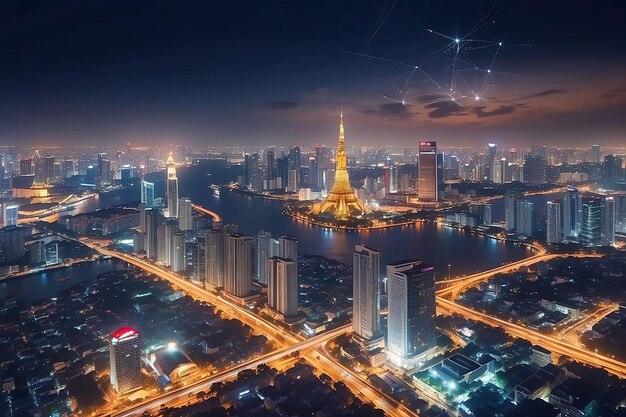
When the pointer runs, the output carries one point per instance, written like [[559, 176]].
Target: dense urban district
[[193, 314]]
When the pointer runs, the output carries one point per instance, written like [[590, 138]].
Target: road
[[287, 342], [556, 346], [571, 333], [205, 384], [453, 287], [216, 217]]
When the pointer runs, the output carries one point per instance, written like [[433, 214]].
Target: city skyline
[[145, 74]]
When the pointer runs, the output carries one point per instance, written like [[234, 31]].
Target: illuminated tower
[[171, 189], [125, 356], [341, 202], [553, 229], [282, 289], [427, 179]]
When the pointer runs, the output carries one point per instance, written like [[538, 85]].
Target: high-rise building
[[26, 166], [608, 221], [366, 294], [252, 172], [288, 249], [238, 265], [68, 168], [620, 213], [282, 288], [295, 163], [591, 221], [571, 219], [199, 260], [534, 170], [10, 214], [185, 216], [12, 242], [427, 181], [214, 257], [411, 311], [510, 210], [483, 211], [103, 177], [524, 218], [553, 226], [171, 187], [595, 153], [152, 225], [125, 357], [38, 167], [48, 169], [178, 252], [266, 247], [147, 193], [492, 150], [611, 172]]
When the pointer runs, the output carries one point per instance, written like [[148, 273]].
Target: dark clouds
[[213, 71]]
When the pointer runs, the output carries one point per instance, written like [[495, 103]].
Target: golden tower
[[341, 202]]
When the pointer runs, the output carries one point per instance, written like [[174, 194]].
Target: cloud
[[281, 105], [480, 111], [429, 97], [444, 108], [544, 93], [613, 93], [393, 110]]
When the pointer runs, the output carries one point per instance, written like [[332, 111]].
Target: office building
[[534, 170], [266, 247], [366, 282], [26, 166], [199, 260], [282, 288], [620, 213], [553, 226], [608, 222], [12, 242], [492, 151], [147, 193], [427, 181], [171, 188], [238, 265], [595, 153], [411, 312], [510, 210], [214, 240], [103, 177], [151, 238], [591, 221], [178, 252], [10, 214], [185, 216], [68, 168], [571, 213], [125, 358], [524, 218]]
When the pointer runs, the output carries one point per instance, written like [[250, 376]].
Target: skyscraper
[[214, 257], [238, 265], [147, 193], [510, 210], [199, 260], [178, 252], [595, 153], [524, 218], [571, 219], [10, 214], [427, 181], [282, 289], [553, 226], [171, 188], [266, 247], [103, 175], [366, 295], [125, 360], [68, 168], [492, 150], [411, 306], [185, 216], [534, 170], [26, 166], [608, 221], [48, 169], [591, 221], [151, 240]]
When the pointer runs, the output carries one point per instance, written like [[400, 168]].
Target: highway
[[216, 217], [205, 384], [288, 343], [556, 346], [453, 287]]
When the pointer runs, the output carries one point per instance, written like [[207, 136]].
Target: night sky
[[276, 72]]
